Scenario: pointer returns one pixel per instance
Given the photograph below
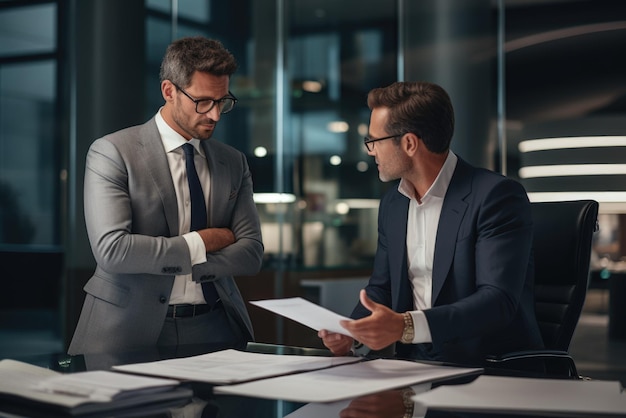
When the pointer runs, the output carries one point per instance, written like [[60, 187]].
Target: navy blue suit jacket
[[483, 271]]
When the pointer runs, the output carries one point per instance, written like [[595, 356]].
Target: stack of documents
[[84, 392]]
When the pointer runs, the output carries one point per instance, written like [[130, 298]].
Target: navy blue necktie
[[198, 206], [198, 212]]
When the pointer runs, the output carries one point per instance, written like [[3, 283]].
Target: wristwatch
[[409, 332], [409, 406]]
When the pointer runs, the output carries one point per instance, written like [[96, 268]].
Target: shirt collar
[[172, 139], [441, 183]]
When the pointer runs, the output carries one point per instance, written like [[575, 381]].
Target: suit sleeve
[[128, 234], [245, 256]]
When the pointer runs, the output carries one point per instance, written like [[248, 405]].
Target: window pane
[[332, 64], [28, 166], [27, 30], [196, 10]]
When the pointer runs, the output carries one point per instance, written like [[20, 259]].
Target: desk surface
[[387, 404]]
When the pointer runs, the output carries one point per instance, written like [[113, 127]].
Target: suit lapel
[[396, 248], [158, 168], [452, 212]]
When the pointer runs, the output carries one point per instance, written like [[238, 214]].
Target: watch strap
[[409, 331]]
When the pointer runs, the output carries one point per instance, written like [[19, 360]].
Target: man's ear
[[410, 143], [168, 90]]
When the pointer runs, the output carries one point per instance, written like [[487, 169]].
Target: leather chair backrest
[[563, 234]]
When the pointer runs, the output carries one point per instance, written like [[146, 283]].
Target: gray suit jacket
[[132, 222]]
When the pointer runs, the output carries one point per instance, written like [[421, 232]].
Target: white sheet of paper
[[345, 382], [496, 394], [305, 312], [101, 385], [230, 366], [72, 390]]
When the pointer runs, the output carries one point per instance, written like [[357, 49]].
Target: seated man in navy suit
[[453, 273]]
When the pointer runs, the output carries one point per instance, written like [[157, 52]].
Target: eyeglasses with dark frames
[[203, 106], [369, 142]]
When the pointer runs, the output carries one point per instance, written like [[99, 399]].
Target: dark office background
[[74, 70]]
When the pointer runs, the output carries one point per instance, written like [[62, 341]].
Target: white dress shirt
[[185, 290], [422, 223]]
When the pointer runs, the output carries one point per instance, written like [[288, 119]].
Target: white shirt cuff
[[422, 330], [196, 247]]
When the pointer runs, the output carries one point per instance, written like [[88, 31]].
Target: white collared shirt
[[185, 290], [422, 223]]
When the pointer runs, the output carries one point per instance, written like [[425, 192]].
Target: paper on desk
[[231, 366], [495, 394], [305, 312], [346, 382], [101, 385], [82, 392]]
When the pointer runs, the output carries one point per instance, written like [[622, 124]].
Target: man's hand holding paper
[[338, 344], [379, 330]]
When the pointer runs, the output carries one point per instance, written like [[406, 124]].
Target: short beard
[[188, 130]]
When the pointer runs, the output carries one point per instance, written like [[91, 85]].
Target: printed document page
[[305, 312], [346, 382], [232, 366]]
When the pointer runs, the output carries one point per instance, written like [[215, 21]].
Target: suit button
[[162, 299]]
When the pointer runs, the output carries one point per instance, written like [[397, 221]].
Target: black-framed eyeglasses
[[225, 104], [369, 142]]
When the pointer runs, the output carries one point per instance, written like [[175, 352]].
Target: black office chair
[[563, 233]]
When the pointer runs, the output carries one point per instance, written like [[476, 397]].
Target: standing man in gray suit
[[166, 261]]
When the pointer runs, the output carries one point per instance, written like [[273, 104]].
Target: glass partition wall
[[304, 72], [566, 112], [305, 68], [31, 178]]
